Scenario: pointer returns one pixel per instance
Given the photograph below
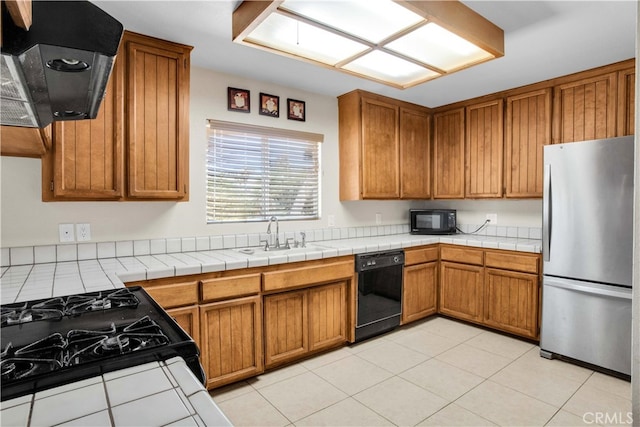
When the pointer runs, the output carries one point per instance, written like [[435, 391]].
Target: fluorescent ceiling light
[[401, 43]]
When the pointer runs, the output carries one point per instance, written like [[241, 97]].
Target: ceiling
[[543, 40]]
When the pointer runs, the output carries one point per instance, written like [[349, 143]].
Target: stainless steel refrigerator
[[587, 252]]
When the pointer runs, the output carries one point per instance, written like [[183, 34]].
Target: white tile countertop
[[65, 277], [166, 393], [153, 394]]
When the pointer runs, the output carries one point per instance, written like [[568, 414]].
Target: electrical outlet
[[66, 233], [493, 218], [83, 232], [378, 218], [331, 220]]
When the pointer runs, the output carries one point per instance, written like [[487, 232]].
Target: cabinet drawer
[[421, 255], [230, 287], [512, 261], [297, 277], [462, 255], [174, 294]]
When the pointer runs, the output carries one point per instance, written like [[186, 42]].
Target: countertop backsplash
[[27, 255]]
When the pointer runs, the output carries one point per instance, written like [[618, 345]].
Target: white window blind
[[256, 172]]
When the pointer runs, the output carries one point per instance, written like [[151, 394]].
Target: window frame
[[267, 135]]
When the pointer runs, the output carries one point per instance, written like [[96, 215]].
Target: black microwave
[[432, 221]]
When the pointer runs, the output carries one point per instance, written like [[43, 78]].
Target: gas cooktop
[[51, 342]]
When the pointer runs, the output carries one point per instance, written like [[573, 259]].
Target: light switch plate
[[378, 218], [331, 220], [66, 233]]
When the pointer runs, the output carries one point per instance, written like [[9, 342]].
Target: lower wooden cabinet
[[462, 290], [189, 319], [231, 337], [420, 291], [327, 315], [286, 335], [299, 322], [511, 301]]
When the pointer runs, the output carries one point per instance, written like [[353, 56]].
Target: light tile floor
[[437, 372]]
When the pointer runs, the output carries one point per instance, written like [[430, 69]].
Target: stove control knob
[[396, 259]]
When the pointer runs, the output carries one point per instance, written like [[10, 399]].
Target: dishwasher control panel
[[374, 260]]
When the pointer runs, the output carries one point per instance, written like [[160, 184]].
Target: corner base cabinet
[[499, 289]]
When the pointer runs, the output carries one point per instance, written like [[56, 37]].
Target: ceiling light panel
[[300, 39], [433, 45], [372, 20], [389, 68], [401, 43]]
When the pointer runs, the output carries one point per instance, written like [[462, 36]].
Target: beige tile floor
[[438, 372]]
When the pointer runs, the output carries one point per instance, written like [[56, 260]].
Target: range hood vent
[[59, 69]]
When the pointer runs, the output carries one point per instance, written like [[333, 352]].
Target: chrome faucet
[[274, 218]]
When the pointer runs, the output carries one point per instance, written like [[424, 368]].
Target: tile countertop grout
[[35, 281], [156, 393], [181, 399]]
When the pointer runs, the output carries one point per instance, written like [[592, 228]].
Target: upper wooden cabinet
[[585, 109], [484, 149], [415, 154], [137, 146], [24, 142], [157, 108], [384, 148], [527, 130], [448, 154], [85, 162]]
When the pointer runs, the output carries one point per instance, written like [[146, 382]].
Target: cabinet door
[[511, 302], [85, 162], [415, 157], [585, 109], [448, 154], [380, 152], [189, 319], [419, 293], [528, 129], [626, 102], [327, 315], [286, 327], [461, 291], [231, 337], [157, 102], [484, 150]]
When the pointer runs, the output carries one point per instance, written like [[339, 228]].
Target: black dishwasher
[[379, 292]]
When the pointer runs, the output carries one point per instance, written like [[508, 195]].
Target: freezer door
[[588, 210], [587, 322]]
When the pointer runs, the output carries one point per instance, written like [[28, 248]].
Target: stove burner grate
[[56, 352], [57, 308]]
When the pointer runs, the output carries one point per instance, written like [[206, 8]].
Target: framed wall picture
[[238, 100], [296, 110], [269, 105]]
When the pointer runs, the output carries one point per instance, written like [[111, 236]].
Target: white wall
[[26, 220]]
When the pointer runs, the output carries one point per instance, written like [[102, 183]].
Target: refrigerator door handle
[[546, 214], [613, 292]]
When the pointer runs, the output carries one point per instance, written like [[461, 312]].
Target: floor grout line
[[392, 340]]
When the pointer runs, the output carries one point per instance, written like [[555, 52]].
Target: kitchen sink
[[260, 251]]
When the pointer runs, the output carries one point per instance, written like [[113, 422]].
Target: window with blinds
[[256, 172]]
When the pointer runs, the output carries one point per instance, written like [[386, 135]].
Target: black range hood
[[59, 69]]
